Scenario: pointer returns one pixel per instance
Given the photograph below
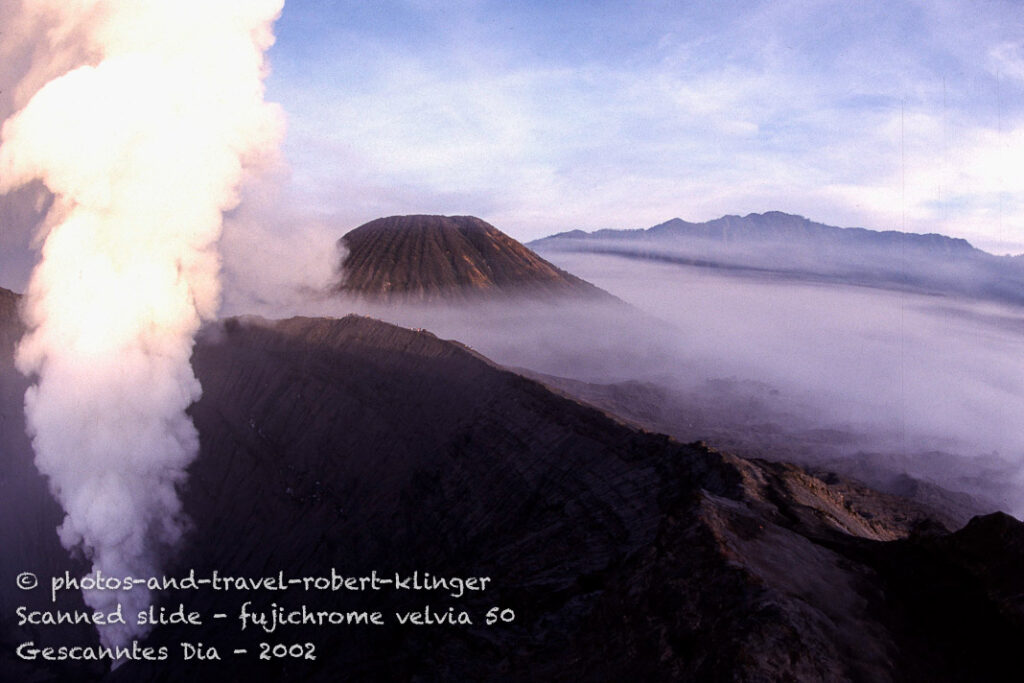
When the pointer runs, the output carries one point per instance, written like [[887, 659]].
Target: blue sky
[[547, 116]]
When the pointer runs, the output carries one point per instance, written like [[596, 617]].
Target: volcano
[[448, 258], [358, 446]]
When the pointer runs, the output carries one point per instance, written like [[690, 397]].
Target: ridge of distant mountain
[[781, 244], [440, 258], [776, 226]]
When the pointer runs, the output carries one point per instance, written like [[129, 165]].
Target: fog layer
[[866, 381]]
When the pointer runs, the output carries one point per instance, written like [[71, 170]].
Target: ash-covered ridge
[[356, 445], [777, 226], [443, 258]]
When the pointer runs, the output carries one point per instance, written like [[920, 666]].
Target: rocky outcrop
[[773, 431], [10, 324]]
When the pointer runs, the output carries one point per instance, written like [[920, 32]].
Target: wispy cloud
[[603, 115], [543, 116]]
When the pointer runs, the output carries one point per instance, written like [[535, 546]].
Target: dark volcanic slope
[[359, 445], [431, 258], [626, 556], [712, 411]]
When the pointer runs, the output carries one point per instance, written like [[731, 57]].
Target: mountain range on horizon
[[437, 259], [772, 226], [778, 244]]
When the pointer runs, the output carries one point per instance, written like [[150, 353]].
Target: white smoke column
[[144, 146]]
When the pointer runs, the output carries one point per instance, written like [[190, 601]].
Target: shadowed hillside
[[357, 445]]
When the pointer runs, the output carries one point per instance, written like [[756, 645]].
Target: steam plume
[[144, 142]]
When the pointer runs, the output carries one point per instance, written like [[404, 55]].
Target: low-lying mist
[[869, 382], [918, 378]]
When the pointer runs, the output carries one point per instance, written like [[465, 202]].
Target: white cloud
[[793, 106]]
